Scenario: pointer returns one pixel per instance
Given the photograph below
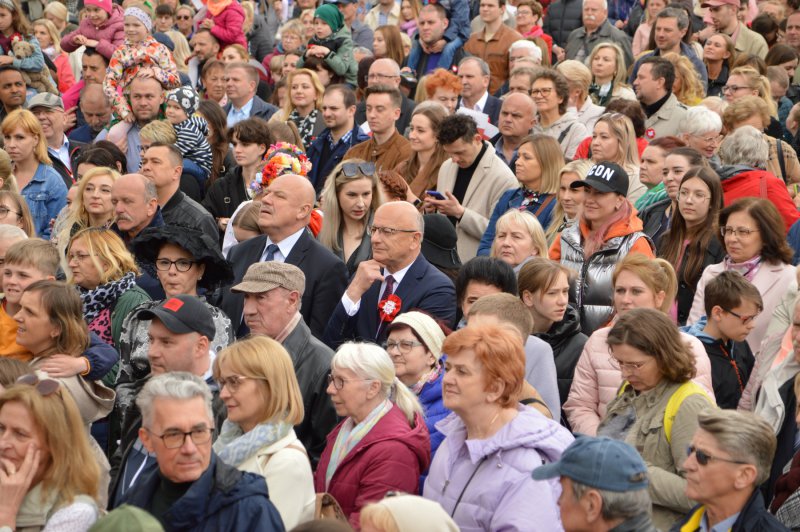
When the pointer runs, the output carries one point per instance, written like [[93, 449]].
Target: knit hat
[[331, 15], [127, 518], [105, 5], [186, 97], [143, 17], [412, 513], [426, 328]]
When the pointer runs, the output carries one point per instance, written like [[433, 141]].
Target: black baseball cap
[[605, 177], [182, 315]]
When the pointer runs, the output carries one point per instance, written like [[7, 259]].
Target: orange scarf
[[215, 7]]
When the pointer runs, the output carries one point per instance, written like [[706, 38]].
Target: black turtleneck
[[650, 110], [463, 177], [167, 493]]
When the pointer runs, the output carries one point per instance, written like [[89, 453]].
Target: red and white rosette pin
[[389, 308]]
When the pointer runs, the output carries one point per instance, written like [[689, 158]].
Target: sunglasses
[[45, 387], [354, 169], [703, 458]]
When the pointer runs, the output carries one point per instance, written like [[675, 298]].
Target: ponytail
[[405, 400]]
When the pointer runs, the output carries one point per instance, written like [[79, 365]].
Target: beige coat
[[667, 120], [750, 42], [492, 177], [663, 459], [286, 468]]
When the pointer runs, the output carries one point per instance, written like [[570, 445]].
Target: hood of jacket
[[529, 429], [698, 330], [736, 170], [623, 227], [563, 330]]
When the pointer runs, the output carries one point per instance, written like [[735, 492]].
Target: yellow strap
[[693, 523]]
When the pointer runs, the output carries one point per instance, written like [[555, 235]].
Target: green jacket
[[340, 59]]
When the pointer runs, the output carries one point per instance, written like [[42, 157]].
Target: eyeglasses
[[734, 231], [45, 387], [354, 169], [387, 231], [631, 366], [77, 257], [183, 17], [735, 88], [703, 458], [710, 140], [4, 212], [698, 196], [174, 439], [744, 319], [339, 382], [542, 92], [234, 382], [404, 346], [182, 265], [373, 77]]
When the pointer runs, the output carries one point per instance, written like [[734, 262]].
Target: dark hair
[[774, 249], [164, 9], [667, 143], [314, 62], [780, 53], [174, 154], [206, 30], [99, 156], [559, 82], [218, 139], [281, 84], [394, 94], [210, 65], [673, 243], [92, 52], [487, 270], [633, 110], [6, 68], [348, 95], [252, 131], [694, 157], [728, 289], [362, 74], [457, 126], [660, 68], [764, 24]]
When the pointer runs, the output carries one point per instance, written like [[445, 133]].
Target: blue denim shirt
[[512, 199], [46, 195]]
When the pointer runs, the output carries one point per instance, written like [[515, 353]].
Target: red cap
[[105, 5]]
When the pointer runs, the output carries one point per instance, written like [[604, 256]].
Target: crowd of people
[[391, 265]]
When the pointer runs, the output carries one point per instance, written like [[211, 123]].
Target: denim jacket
[[46, 195]]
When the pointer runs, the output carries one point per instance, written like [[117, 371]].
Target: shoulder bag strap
[[544, 205], [469, 480], [563, 134], [781, 160]]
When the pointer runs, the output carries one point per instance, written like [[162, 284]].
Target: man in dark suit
[[474, 75], [397, 268], [241, 82], [285, 213], [386, 72]]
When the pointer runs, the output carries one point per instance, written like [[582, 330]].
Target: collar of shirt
[[723, 526], [398, 277], [344, 139], [480, 104], [284, 246], [244, 111], [62, 152]]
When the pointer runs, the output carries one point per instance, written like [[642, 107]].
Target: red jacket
[[390, 457], [228, 26], [750, 183], [109, 35]]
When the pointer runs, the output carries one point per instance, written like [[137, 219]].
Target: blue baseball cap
[[600, 463]]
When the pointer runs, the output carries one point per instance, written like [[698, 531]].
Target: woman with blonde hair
[[518, 238], [746, 81], [351, 195], [234, 53], [92, 206], [719, 53], [387, 43], [182, 52], [568, 200], [40, 184], [50, 41], [539, 159], [421, 171], [7, 179], [609, 75], [382, 444], [614, 140], [57, 13], [687, 87], [263, 400], [104, 271], [303, 106], [579, 78], [17, 206]]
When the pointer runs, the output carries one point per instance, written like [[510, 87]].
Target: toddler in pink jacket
[[102, 29], [225, 19]]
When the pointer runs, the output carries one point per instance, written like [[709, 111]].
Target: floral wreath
[[281, 158]]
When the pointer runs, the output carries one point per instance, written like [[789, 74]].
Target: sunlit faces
[[378, 45], [247, 154], [637, 367], [268, 312], [35, 331], [42, 35], [421, 134], [716, 49], [473, 292], [571, 199], [6, 19], [355, 199], [600, 206], [135, 31], [95, 15], [675, 167], [737, 87], [667, 34], [354, 394], [473, 82], [631, 292], [545, 95], [302, 93], [705, 483], [20, 144], [736, 323], [19, 432], [463, 153], [739, 246], [336, 115], [230, 55], [175, 113], [321, 29], [648, 89], [706, 143], [463, 386], [651, 169], [242, 406], [528, 168], [83, 265], [694, 201], [605, 146], [381, 113]]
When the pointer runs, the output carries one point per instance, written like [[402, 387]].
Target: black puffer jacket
[[563, 16], [566, 339]]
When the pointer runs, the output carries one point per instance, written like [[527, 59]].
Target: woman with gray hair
[[729, 457], [744, 155], [700, 129], [382, 444]]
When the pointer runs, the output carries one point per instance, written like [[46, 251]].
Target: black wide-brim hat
[[199, 245]]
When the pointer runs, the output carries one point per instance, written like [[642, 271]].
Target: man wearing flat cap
[[181, 329], [272, 295]]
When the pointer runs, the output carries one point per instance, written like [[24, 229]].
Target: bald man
[[285, 212], [386, 72], [397, 268], [517, 117]]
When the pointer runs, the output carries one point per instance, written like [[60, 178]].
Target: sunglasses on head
[[354, 169], [45, 387]]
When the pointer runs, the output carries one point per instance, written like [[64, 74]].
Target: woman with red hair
[[444, 87]]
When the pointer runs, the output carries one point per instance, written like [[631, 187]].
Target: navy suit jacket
[[260, 109], [423, 288], [491, 109], [326, 279]]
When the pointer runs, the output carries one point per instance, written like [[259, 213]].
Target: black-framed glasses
[[45, 387], [404, 346], [744, 319], [5, 210], [182, 265], [339, 382], [546, 91], [387, 231], [174, 439], [703, 458], [183, 17], [354, 169]]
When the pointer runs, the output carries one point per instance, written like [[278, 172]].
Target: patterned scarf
[[748, 268], [351, 434], [234, 446], [529, 197], [305, 125], [431, 376], [104, 296]]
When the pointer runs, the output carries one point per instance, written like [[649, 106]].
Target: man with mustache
[[596, 29], [136, 207]]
